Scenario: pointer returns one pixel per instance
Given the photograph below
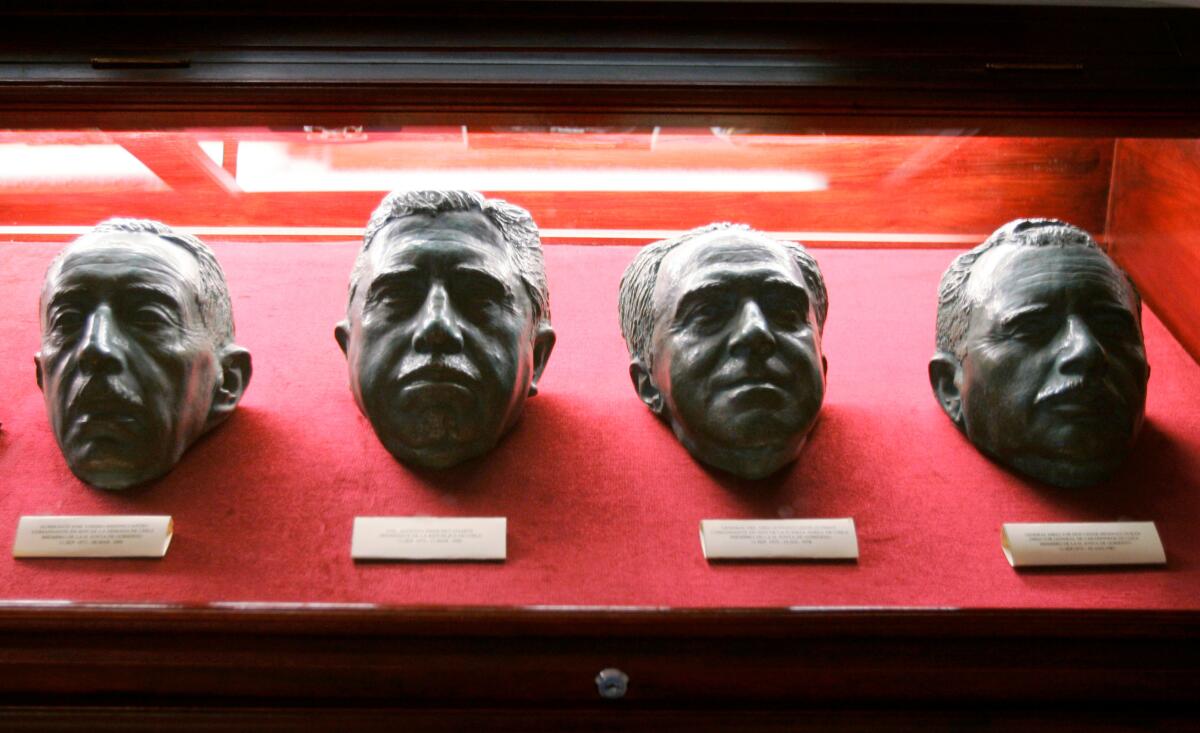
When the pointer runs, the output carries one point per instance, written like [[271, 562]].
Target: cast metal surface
[[612, 683], [723, 326], [137, 357], [1040, 357], [447, 328]]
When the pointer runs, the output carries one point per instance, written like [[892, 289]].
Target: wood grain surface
[[1154, 228]]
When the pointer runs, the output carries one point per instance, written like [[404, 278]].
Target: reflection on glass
[[628, 185]]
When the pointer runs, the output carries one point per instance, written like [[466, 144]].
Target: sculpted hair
[[515, 224], [216, 311], [954, 301], [636, 300]]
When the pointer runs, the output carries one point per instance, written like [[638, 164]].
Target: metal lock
[[612, 683]]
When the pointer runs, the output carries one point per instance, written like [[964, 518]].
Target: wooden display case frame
[[784, 67]]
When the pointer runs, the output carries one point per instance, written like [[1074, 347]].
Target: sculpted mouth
[[90, 416], [751, 392], [747, 384], [101, 397], [1081, 398], [743, 381], [108, 410], [437, 374], [94, 424]]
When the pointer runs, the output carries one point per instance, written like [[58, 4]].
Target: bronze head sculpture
[[723, 326], [1040, 358], [447, 328], [137, 358]]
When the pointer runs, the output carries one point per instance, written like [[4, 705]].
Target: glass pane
[[582, 185]]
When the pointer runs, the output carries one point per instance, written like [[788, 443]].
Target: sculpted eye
[[401, 299], [398, 301], [709, 315], [151, 318], [395, 295], [474, 296], [480, 305], [475, 300], [1032, 328], [785, 312], [67, 320], [1117, 324]]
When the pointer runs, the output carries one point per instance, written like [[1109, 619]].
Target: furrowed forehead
[[724, 247], [117, 245], [471, 222], [422, 244], [470, 227], [1010, 274], [720, 255], [124, 256]]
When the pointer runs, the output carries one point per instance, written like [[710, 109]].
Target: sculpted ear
[[341, 332], [235, 375], [645, 386], [37, 364], [543, 344], [945, 376]]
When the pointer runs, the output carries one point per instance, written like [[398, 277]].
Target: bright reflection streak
[[214, 149], [266, 166], [52, 166]]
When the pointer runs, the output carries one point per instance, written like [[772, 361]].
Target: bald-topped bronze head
[[1040, 358], [137, 358]]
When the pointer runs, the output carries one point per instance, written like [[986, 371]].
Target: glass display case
[[887, 139]]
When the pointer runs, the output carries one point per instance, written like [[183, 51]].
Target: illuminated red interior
[[602, 503]]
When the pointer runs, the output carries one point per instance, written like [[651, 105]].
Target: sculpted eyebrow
[[788, 288], [164, 296], [477, 274], [139, 291], [67, 296], [391, 280], [700, 293], [1030, 310], [1116, 310], [1114, 307]]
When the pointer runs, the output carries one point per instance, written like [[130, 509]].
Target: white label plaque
[[96, 536], [429, 538], [1082, 543], [778, 539]]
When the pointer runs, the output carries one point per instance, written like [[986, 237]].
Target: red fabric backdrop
[[603, 505]]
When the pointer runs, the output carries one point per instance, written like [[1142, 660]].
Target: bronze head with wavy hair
[[447, 325]]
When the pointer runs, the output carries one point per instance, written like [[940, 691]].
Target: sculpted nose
[[1079, 351], [751, 333], [99, 352], [438, 331]]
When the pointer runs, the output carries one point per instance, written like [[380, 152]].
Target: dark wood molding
[[597, 622], [522, 658], [607, 719], [852, 68], [772, 67]]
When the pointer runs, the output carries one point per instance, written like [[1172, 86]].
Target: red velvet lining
[[602, 504]]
